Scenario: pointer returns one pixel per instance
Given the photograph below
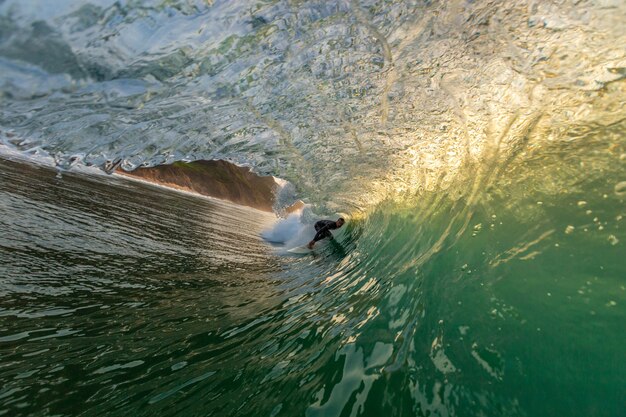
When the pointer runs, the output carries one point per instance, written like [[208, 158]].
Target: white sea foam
[[290, 232]]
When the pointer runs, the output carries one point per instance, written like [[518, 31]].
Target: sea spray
[[289, 231]]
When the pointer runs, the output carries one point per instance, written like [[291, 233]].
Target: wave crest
[[351, 101]]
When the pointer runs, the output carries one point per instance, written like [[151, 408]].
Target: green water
[[119, 298], [476, 147]]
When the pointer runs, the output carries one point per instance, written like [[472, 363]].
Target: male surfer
[[323, 228]]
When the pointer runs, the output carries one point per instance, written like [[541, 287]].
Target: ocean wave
[[478, 147], [351, 101]]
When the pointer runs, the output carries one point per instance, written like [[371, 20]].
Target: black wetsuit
[[323, 228]]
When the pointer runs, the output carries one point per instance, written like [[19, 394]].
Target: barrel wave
[[477, 148]]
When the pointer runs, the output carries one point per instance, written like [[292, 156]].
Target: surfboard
[[300, 250]]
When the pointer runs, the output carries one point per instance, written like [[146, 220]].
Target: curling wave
[[351, 101]]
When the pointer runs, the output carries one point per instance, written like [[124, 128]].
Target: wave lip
[[349, 112]]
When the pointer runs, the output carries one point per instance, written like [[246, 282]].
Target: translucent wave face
[[351, 101]]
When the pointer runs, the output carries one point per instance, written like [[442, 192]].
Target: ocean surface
[[477, 149]]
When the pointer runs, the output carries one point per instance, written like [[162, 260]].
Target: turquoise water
[[123, 298], [477, 149]]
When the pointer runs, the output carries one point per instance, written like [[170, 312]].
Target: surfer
[[323, 228]]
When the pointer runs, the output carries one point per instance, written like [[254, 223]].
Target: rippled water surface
[[120, 298], [349, 100], [478, 150]]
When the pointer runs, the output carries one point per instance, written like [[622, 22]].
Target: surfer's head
[[340, 222]]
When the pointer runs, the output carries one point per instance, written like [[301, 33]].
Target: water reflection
[[111, 284]]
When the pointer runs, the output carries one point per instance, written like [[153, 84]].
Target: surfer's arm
[[322, 233]]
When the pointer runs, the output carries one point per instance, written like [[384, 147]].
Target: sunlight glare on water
[[478, 148]]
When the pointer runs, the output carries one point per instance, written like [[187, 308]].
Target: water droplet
[[569, 229], [620, 188], [613, 240], [582, 203]]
